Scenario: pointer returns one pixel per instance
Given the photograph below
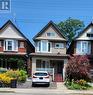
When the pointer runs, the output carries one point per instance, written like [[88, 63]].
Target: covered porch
[[55, 65]]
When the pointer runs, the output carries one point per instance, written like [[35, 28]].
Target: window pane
[[59, 45], [44, 45], [51, 34], [78, 47], [9, 47], [48, 47], [39, 46]]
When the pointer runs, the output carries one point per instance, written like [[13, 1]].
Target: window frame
[[82, 48], [61, 45], [21, 44], [40, 46], [13, 45], [52, 34]]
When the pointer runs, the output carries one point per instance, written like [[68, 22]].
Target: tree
[[78, 68], [70, 28]]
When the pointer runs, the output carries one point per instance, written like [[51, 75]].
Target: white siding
[[49, 30], [10, 32], [84, 35]]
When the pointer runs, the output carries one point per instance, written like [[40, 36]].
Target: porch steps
[[58, 78]]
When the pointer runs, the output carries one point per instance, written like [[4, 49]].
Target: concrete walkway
[[60, 89]]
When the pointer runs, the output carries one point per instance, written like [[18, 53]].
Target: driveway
[[28, 84]]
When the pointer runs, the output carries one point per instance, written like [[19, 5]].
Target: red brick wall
[[23, 50], [1, 49]]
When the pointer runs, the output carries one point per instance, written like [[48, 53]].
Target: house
[[83, 44], [13, 44], [50, 52]]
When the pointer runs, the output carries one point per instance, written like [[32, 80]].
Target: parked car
[[41, 77]]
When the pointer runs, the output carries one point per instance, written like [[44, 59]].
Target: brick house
[[83, 45], [13, 44]]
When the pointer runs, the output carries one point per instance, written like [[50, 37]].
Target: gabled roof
[[48, 25], [91, 24], [9, 22]]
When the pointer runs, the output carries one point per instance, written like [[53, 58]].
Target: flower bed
[[78, 84], [10, 76]]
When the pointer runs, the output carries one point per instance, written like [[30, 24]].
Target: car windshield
[[40, 74]]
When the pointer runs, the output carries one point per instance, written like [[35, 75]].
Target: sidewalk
[[60, 89]]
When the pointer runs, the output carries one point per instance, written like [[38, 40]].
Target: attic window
[[89, 35], [50, 34]]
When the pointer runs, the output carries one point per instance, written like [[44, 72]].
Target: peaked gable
[[83, 34], [50, 27], [10, 28]]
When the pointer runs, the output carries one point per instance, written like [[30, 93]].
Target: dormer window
[[50, 34], [89, 35]]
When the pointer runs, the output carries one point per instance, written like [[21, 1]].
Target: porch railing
[[49, 70]]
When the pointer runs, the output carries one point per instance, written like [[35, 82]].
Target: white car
[[41, 77]]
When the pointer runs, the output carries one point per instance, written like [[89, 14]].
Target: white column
[[33, 65], [64, 68]]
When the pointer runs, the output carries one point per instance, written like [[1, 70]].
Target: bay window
[[83, 47], [43, 46], [10, 45]]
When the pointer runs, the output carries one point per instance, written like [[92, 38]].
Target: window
[[0, 43], [11, 45], [89, 35], [21, 45], [50, 34], [83, 47], [43, 46], [59, 45]]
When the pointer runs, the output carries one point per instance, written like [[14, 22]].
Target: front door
[[59, 67]]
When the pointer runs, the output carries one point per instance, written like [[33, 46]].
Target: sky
[[30, 16]]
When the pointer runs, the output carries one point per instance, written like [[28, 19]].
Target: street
[[36, 94]]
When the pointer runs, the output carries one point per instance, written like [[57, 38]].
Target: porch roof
[[8, 53], [49, 55]]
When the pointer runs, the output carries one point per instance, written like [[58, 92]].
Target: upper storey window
[[51, 34], [43, 46], [59, 45], [10, 45], [83, 47], [89, 35]]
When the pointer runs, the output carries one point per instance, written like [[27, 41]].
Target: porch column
[[64, 68], [33, 65]]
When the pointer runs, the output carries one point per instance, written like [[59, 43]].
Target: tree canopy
[[71, 27]]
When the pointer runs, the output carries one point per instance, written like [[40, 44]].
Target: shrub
[[20, 75], [77, 68], [5, 80], [23, 76], [79, 85]]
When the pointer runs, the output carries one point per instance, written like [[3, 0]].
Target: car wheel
[[48, 84], [33, 84]]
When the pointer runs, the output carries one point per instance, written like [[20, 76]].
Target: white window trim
[[59, 47], [13, 48], [52, 35], [41, 50], [80, 51], [21, 45]]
